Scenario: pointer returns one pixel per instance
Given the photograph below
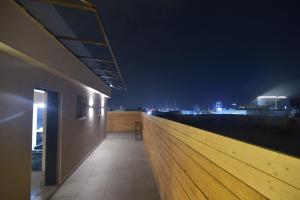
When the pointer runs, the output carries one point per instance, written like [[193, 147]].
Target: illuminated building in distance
[[272, 102]]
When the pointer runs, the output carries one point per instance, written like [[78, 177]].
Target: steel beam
[[69, 4], [109, 77], [99, 74], [104, 70], [95, 59], [80, 40], [108, 43], [87, 2], [87, 5], [113, 73]]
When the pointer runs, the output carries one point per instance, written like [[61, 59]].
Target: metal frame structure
[[83, 41], [113, 78]]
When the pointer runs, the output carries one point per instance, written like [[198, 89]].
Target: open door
[[51, 139], [44, 142]]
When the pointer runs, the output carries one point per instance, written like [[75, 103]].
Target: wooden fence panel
[[122, 121], [191, 163]]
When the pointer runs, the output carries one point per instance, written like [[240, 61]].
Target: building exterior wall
[[21, 32], [77, 137], [31, 58]]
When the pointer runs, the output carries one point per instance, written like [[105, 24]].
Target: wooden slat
[[122, 121], [283, 167], [242, 167], [206, 183], [164, 192], [171, 183], [187, 184], [239, 189]]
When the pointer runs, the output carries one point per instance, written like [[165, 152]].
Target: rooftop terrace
[[191, 163], [117, 169]]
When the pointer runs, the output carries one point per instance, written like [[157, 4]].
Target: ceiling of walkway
[[78, 26]]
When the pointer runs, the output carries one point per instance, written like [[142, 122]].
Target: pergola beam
[[113, 73], [106, 77], [109, 77], [99, 20], [65, 3], [95, 59], [80, 40], [87, 5], [104, 70]]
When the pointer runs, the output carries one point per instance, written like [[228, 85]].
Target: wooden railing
[[190, 163], [122, 121]]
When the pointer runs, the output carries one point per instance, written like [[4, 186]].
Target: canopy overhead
[[77, 25]]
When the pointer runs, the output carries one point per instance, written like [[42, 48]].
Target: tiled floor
[[39, 192], [117, 170]]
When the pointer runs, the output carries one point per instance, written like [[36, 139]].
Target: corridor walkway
[[117, 170]]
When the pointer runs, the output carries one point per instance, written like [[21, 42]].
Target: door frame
[[51, 143]]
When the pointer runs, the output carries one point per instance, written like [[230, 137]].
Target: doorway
[[44, 143]]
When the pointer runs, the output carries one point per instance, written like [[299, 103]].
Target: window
[[81, 107]]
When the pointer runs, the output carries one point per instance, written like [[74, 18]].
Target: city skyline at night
[[198, 52], [149, 100]]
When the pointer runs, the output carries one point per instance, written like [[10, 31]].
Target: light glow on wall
[[91, 112], [39, 91], [95, 91], [91, 101], [102, 101], [39, 105]]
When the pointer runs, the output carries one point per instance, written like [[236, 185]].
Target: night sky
[[198, 52]]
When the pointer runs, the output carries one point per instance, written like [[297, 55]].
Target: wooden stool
[[138, 132]]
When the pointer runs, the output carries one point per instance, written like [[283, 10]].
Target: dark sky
[[198, 52]]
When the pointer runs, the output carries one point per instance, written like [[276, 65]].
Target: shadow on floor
[[39, 192]]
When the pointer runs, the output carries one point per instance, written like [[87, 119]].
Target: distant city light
[[232, 112], [272, 97], [149, 112], [273, 102], [218, 106], [188, 112]]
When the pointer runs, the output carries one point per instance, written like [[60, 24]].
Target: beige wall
[[122, 121], [29, 58], [77, 137], [191, 163], [24, 34]]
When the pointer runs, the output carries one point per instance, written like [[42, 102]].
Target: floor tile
[[117, 170]]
